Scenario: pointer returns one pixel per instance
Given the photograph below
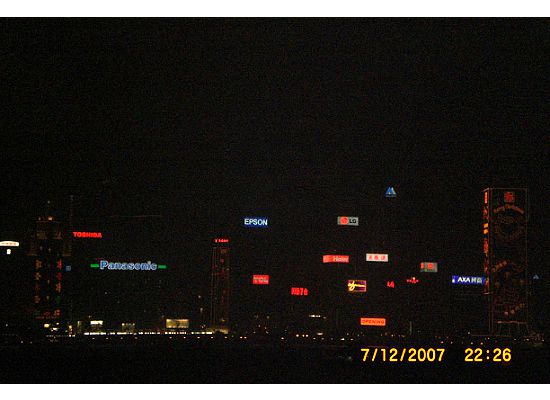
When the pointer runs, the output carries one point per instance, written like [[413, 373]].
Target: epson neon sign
[[255, 222], [144, 266]]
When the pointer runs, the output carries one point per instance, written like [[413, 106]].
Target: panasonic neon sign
[[255, 222], [128, 266]]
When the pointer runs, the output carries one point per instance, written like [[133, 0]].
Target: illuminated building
[[48, 249], [505, 259], [219, 285]]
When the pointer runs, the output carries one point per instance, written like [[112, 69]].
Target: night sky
[[205, 121]]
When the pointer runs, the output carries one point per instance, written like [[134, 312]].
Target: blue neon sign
[[255, 222], [467, 280]]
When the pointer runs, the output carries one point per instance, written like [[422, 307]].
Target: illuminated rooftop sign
[[375, 257], [413, 280], [125, 266], [9, 243], [390, 192], [390, 284], [350, 221], [467, 280], [333, 258], [220, 240], [255, 222], [299, 291], [95, 235], [357, 286], [373, 321], [428, 266], [260, 279]]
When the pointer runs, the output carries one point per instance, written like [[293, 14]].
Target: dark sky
[[207, 120]]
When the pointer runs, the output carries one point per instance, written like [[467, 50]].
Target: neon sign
[[255, 222], [260, 279], [413, 280], [333, 258], [221, 240], [373, 321], [350, 221], [467, 280], [357, 286], [9, 243], [428, 267], [390, 284], [377, 257], [299, 291], [95, 235], [144, 266]]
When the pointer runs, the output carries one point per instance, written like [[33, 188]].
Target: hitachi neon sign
[[95, 235], [143, 266]]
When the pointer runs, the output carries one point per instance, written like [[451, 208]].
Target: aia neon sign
[[299, 291], [95, 235], [413, 280], [333, 258], [260, 279]]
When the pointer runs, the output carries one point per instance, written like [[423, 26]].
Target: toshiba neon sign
[[299, 291], [373, 321], [334, 258], [357, 286], [260, 279], [95, 235], [375, 257]]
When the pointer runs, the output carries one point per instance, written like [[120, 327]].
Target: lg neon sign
[[350, 221]]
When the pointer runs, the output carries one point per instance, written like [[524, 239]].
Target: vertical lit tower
[[219, 285], [505, 259], [47, 251]]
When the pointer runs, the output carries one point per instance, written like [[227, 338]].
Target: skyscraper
[[219, 285], [505, 259]]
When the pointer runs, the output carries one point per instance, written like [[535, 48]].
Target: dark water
[[235, 362]]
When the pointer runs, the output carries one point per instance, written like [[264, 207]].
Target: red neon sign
[[390, 284], [95, 235], [373, 321], [260, 279], [509, 197], [221, 240], [413, 280], [299, 291], [333, 258]]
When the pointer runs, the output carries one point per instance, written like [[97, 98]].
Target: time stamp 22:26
[[434, 355]]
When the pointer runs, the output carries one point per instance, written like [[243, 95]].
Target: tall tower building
[[219, 285], [505, 259], [47, 251]]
